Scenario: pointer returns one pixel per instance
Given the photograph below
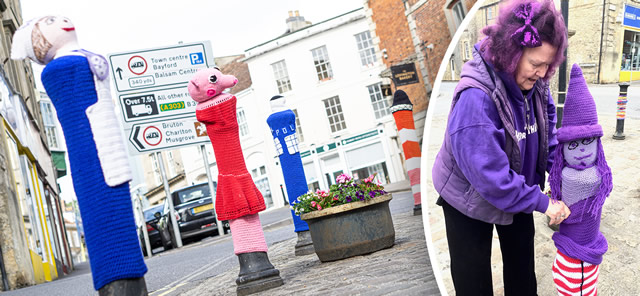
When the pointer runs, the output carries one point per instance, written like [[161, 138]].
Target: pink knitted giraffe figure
[[581, 178], [237, 198]]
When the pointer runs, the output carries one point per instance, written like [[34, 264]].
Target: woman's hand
[[557, 211]]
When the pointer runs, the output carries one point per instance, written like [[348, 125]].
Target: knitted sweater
[[579, 235], [236, 195], [110, 230], [283, 129]]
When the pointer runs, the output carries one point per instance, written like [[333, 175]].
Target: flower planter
[[351, 229]]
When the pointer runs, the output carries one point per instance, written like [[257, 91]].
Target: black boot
[[305, 244], [256, 274], [125, 287], [417, 210]]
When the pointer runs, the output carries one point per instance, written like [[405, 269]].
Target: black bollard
[[622, 110]]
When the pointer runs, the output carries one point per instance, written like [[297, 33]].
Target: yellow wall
[[625, 75], [38, 268]]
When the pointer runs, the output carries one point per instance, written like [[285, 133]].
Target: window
[[242, 123], [380, 104], [467, 50], [298, 127], [171, 164], [281, 76], [12, 65], [365, 48], [490, 12], [279, 150], [321, 62], [334, 114], [49, 124], [458, 13], [292, 144], [157, 176]]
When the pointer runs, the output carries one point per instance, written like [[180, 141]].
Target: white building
[[329, 75]]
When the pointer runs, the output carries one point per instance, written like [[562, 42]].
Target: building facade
[[328, 73]]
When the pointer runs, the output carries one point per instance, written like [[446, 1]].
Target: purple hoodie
[[492, 163]]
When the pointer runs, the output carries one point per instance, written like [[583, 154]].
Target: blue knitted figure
[[78, 85], [283, 128]]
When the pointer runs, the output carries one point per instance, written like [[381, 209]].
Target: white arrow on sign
[[160, 135]]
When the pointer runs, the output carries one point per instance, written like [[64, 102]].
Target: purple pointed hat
[[580, 118]]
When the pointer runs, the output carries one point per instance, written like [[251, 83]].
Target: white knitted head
[[278, 103], [22, 46]]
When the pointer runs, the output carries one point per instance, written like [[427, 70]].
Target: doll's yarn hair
[[504, 52], [604, 171], [41, 45]]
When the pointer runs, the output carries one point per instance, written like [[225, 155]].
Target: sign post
[[157, 111]]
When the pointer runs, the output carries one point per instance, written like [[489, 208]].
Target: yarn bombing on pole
[[236, 195], [581, 178], [77, 83]]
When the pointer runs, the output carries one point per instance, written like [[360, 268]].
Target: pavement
[[403, 269], [620, 269]]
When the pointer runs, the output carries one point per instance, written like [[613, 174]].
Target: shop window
[[322, 64], [334, 114], [282, 76], [379, 169], [379, 103], [630, 52], [365, 48]]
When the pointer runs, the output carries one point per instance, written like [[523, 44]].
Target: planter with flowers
[[351, 219]]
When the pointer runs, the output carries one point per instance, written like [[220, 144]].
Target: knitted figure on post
[[581, 178], [77, 82], [283, 128], [237, 197]]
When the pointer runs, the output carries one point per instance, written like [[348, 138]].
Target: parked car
[[194, 215], [151, 224]]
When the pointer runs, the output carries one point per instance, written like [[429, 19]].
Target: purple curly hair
[[504, 52], [606, 183]]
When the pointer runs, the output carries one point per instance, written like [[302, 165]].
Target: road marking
[[183, 281]]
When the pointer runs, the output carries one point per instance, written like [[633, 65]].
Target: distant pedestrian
[[500, 132], [581, 178]]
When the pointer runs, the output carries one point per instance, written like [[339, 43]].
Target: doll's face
[[58, 31], [581, 152]]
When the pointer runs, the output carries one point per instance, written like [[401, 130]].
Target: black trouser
[[470, 250]]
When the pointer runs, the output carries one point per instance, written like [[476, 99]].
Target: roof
[[235, 66]]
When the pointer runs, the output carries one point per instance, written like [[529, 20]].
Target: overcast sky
[[232, 26]]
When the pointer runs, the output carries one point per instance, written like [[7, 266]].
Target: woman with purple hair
[[581, 178], [496, 151]]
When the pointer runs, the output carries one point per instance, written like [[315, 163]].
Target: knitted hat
[[580, 118], [400, 101], [22, 46]]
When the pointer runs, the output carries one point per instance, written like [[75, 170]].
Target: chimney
[[296, 22]]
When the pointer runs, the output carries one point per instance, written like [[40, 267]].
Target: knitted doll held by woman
[[581, 178], [237, 197], [77, 82]]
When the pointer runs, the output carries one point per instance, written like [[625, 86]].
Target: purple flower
[[372, 194], [348, 198]]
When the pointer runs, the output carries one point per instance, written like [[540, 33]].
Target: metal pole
[[174, 223], [622, 110], [144, 227], [562, 73], [284, 196], [205, 158]]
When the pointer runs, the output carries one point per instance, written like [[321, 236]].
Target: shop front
[[360, 156], [630, 56]]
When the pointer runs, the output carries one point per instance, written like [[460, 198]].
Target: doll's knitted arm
[[107, 135]]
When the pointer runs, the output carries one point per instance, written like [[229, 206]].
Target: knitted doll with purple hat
[[581, 178]]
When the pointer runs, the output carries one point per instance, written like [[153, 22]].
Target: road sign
[[166, 134], [161, 103], [158, 67], [151, 86]]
